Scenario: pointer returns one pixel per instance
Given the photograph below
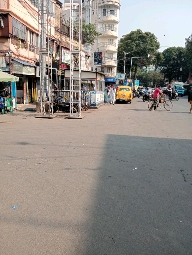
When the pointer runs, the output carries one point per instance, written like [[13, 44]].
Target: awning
[[5, 77], [23, 62]]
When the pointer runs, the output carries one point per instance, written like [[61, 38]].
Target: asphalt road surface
[[117, 182]]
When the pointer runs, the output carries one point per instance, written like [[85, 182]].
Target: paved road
[[117, 182]]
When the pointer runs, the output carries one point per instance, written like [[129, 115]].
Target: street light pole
[[125, 53], [131, 65], [130, 69]]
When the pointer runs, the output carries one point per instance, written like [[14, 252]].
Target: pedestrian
[[106, 95], [190, 99], [112, 93]]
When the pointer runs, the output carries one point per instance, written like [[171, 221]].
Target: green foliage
[[174, 64], [150, 78], [89, 33], [137, 44], [188, 47]]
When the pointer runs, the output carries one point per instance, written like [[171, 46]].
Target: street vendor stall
[[5, 77], [7, 98]]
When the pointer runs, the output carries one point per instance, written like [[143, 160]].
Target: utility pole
[[125, 53], [131, 65]]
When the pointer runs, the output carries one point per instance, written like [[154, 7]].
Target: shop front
[[110, 81], [26, 89], [92, 83], [7, 90]]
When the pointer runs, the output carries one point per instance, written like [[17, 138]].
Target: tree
[[137, 44], [89, 33], [174, 65], [150, 78], [188, 47]]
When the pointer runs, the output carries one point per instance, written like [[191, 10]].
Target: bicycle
[[154, 103]]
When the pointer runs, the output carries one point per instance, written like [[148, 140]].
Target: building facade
[[105, 16], [20, 43]]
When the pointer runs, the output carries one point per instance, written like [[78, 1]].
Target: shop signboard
[[65, 58], [136, 82], [110, 80], [92, 98], [120, 76]]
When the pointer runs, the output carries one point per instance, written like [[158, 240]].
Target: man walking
[[112, 93]]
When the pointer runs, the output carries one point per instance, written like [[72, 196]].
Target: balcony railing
[[109, 2], [106, 46], [108, 13], [107, 28], [112, 74], [109, 62], [108, 31]]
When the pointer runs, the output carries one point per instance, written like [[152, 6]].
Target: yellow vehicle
[[124, 94]]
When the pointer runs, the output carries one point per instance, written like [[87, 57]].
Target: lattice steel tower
[[45, 56], [75, 59]]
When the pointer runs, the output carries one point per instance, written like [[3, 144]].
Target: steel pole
[[130, 69], [124, 61]]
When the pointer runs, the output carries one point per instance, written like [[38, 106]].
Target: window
[[112, 12], [110, 56], [124, 89], [110, 41], [104, 12], [19, 30], [31, 38], [111, 27], [109, 70]]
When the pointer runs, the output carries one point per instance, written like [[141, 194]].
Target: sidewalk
[[26, 107]]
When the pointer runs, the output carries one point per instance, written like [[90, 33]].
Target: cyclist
[[156, 94], [169, 91]]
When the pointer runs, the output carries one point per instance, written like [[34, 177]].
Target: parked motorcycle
[[59, 104], [136, 94], [175, 96], [146, 97]]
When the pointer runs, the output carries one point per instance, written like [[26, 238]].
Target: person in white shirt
[[112, 93]]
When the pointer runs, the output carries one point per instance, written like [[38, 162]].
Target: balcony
[[109, 62], [108, 32], [105, 46], [109, 2], [108, 17], [110, 75]]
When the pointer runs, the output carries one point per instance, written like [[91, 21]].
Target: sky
[[169, 20]]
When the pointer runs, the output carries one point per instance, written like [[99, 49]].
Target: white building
[[105, 15]]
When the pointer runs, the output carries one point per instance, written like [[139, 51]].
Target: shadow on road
[[143, 201]]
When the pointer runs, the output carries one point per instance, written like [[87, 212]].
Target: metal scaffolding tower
[[45, 57], [75, 59]]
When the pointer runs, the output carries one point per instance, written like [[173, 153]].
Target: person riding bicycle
[[169, 91], [156, 94]]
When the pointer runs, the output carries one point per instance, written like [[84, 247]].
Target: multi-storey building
[[20, 42], [105, 15]]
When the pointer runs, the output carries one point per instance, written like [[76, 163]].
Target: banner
[[97, 58], [120, 76], [65, 58]]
